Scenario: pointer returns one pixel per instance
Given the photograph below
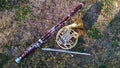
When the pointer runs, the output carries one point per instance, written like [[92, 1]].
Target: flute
[[52, 31]]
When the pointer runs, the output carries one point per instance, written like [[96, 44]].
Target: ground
[[24, 22]]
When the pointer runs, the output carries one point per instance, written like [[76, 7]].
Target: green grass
[[4, 4], [114, 44], [102, 66], [6, 46], [94, 33], [22, 13], [3, 59], [7, 4]]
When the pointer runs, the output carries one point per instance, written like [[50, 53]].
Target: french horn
[[67, 37]]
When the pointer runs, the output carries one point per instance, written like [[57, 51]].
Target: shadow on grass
[[113, 31], [111, 34], [3, 59], [114, 26], [89, 18], [110, 42], [92, 14]]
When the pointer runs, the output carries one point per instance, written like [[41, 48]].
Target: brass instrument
[[67, 37]]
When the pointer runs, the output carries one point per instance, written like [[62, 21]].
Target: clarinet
[[52, 31]]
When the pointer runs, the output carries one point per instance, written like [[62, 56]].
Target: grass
[[112, 63], [22, 13], [78, 45], [27, 43], [107, 6], [102, 66], [94, 33], [4, 4], [7, 4], [3, 59], [114, 44], [6, 46]]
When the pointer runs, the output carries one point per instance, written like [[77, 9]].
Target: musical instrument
[[51, 32], [67, 36]]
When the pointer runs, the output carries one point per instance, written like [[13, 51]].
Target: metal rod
[[64, 51]]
